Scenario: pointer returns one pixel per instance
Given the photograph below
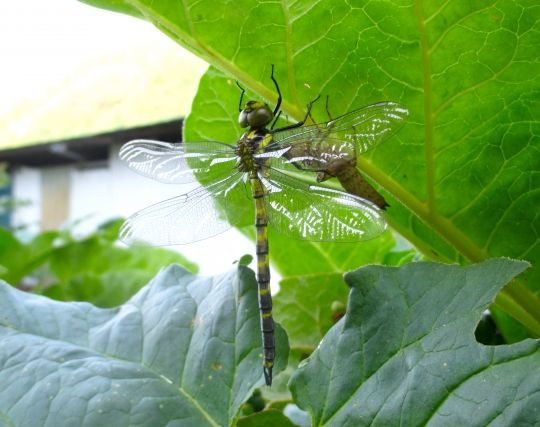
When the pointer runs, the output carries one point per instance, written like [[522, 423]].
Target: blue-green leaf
[[405, 353], [184, 351]]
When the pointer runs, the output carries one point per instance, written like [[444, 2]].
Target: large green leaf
[[461, 177], [184, 351], [405, 353], [313, 294]]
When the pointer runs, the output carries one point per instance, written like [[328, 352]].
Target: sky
[[43, 41]]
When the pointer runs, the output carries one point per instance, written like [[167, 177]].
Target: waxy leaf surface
[[184, 351], [405, 353]]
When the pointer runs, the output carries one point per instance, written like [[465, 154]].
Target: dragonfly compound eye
[[243, 119], [255, 115]]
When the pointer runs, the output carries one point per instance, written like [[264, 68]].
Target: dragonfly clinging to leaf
[[268, 161]]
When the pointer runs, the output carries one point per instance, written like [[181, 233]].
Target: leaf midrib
[[428, 107]]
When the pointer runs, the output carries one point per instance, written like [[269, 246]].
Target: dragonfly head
[[255, 114]]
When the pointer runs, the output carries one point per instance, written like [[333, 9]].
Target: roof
[[87, 148]]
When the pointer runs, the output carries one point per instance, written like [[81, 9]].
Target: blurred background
[[76, 83]]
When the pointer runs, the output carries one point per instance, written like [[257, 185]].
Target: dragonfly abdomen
[[263, 277]]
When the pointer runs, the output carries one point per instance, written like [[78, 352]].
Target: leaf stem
[[518, 301], [428, 109]]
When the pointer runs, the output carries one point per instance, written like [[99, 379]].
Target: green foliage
[[186, 351], [18, 259], [405, 353], [93, 269], [312, 294], [462, 181]]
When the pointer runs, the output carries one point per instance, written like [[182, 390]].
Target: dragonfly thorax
[[251, 143], [244, 151], [255, 115]]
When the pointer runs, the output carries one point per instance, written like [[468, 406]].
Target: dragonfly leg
[[278, 103], [301, 123], [277, 111], [276, 119], [310, 104], [326, 106], [241, 96]]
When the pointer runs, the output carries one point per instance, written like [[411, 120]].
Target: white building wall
[[26, 183]]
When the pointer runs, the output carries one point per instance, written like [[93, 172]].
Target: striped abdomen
[[263, 277]]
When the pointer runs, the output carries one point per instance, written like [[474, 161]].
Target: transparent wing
[[311, 155], [186, 218], [304, 211], [176, 163], [364, 128]]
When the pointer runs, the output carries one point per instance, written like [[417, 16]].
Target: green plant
[[461, 178], [185, 351], [92, 269]]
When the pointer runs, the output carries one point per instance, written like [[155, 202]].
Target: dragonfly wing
[[365, 127], [176, 163], [311, 155], [305, 211], [183, 219]]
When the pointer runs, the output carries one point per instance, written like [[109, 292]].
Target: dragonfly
[[272, 169]]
